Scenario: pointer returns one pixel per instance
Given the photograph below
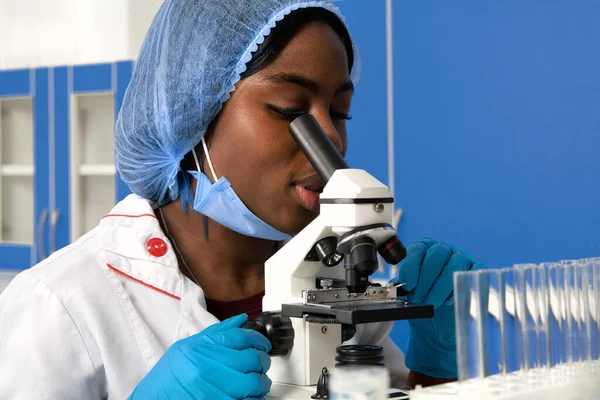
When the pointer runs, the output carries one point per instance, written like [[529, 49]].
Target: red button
[[156, 247]]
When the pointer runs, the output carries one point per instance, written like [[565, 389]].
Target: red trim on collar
[[142, 282], [130, 216]]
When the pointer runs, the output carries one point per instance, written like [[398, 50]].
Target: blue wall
[[497, 123]]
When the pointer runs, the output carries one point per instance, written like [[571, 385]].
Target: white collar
[[130, 233]]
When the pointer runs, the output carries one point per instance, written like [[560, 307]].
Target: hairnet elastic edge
[[241, 66]]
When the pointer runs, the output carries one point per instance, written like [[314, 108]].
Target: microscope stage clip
[[341, 295]]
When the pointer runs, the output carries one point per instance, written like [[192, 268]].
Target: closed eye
[[291, 114], [340, 115]]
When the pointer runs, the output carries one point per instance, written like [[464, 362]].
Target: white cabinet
[[92, 160], [16, 171], [24, 166], [57, 172]]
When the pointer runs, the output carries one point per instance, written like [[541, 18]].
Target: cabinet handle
[[53, 223], [40, 233]]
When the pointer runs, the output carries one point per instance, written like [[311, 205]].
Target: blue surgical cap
[[191, 58]]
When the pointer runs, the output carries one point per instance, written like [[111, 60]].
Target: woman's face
[[250, 143]]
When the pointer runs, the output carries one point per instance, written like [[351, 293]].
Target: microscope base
[[282, 391]]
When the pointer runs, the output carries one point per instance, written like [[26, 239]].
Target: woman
[[133, 307]]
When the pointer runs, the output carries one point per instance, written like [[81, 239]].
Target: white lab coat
[[91, 320]]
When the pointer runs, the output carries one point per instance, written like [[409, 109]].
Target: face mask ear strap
[[210, 165], [200, 168]]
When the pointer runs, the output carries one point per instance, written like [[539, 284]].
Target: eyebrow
[[306, 82]]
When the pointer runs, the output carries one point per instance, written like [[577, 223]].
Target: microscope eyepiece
[[316, 145]]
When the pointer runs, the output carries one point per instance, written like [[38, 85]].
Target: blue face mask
[[220, 203]]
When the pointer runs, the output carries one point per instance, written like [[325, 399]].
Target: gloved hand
[[223, 362], [427, 276]]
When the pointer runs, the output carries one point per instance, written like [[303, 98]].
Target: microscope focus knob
[[275, 327]]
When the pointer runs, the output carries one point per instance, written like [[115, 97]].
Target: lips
[[308, 199], [308, 191]]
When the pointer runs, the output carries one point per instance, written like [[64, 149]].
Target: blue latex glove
[[223, 362], [427, 276]]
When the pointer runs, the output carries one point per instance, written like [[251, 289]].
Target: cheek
[[267, 140], [257, 154], [251, 147]]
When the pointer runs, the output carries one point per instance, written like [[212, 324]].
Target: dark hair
[[285, 29]]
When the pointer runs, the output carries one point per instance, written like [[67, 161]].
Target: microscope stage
[[358, 312]]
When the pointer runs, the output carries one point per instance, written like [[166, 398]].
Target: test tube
[[540, 289], [576, 313], [556, 324], [480, 313], [468, 318], [517, 284], [497, 320], [567, 325], [595, 266], [583, 284], [591, 268], [537, 314], [530, 335]]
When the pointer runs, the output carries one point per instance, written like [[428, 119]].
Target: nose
[[332, 132]]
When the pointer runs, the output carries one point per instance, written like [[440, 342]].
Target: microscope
[[317, 286]]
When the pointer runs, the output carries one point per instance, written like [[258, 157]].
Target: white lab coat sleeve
[[42, 353], [394, 361], [379, 334]]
